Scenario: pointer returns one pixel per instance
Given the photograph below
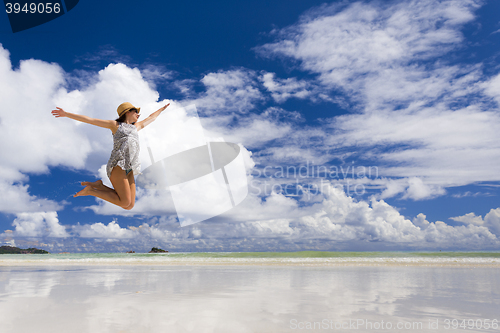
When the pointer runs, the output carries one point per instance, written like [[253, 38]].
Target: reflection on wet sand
[[241, 298]]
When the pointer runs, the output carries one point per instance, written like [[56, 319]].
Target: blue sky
[[408, 90]]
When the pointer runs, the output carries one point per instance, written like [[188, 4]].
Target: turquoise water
[[277, 258]]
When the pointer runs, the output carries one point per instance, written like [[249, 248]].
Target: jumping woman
[[124, 160]]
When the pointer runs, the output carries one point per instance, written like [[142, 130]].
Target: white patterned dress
[[126, 149]]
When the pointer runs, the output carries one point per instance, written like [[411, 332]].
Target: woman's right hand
[[59, 112]]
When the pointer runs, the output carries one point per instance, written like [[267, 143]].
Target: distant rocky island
[[157, 250], [153, 250], [16, 250]]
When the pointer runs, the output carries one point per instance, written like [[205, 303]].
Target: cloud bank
[[334, 222]]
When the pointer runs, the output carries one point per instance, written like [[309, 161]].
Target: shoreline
[[461, 262]]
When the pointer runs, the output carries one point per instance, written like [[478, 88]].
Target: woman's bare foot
[[97, 184], [85, 191]]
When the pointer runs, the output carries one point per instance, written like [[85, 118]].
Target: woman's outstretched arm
[[58, 112], [152, 117]]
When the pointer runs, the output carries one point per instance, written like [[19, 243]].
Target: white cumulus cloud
[[39, 224], [469, 218], [100, 230]]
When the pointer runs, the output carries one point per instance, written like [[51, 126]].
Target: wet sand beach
[[238, 297]]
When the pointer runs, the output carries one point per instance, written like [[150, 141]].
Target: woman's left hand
[[164, 107]]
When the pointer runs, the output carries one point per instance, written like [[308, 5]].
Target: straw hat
[[124, 107]]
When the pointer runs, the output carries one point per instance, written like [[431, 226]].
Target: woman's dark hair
[[124, 116]]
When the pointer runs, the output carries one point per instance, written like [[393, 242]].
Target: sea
[[304, 291]]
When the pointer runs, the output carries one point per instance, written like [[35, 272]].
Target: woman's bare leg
[[120, 196], [131, 181]]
